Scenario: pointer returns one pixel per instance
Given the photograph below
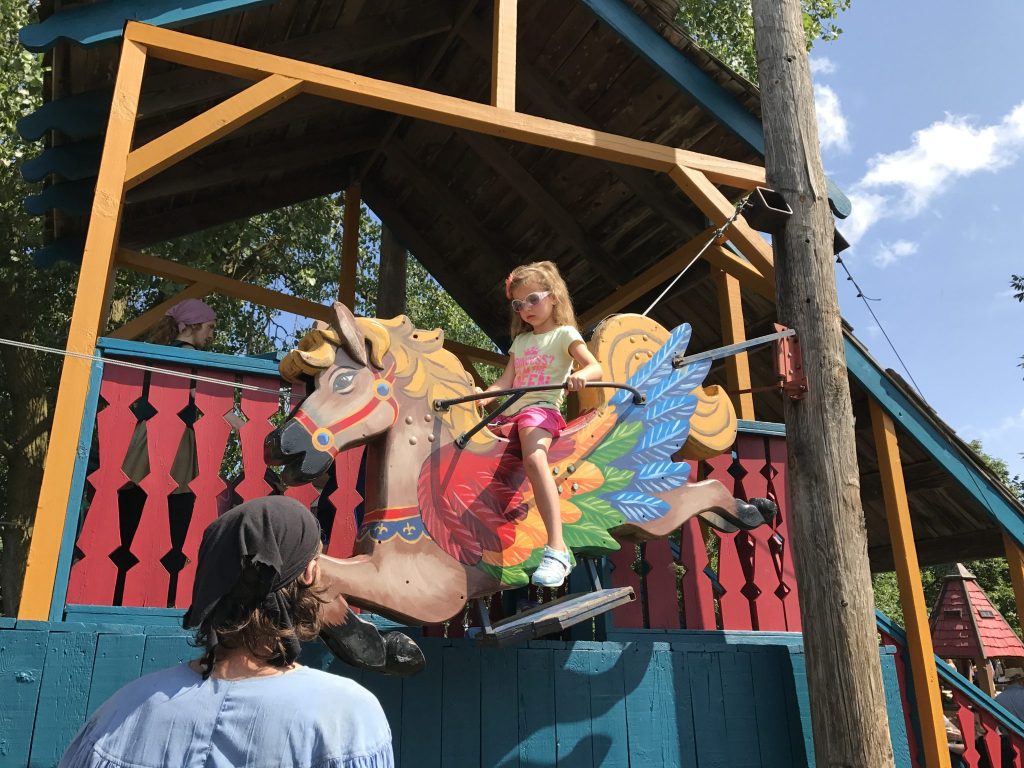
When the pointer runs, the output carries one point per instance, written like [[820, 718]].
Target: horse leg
[[709, 499]]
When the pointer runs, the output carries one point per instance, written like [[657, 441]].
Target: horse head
[[353, 398]]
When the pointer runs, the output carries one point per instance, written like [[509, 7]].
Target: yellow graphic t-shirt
[[542, 358]]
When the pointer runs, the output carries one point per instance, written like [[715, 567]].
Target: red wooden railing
[[990, 736], [138, 543], [706, 579]]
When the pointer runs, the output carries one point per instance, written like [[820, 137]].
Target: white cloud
[[822, 65], [832, 130], [889, 253], [904, 183]]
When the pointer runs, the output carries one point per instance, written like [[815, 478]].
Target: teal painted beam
[[103, 22], [694, 82], [65, 249], [923, 430], [72, 162], [157, 354], [76, 495], [72, 197], [78, 117]]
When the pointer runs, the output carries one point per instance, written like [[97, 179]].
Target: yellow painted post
[[737, 367], [1015, 559], [350, 246], [87, 320], [908, 575], [503, 63]]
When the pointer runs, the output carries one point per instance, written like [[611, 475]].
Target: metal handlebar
[[513, 396]]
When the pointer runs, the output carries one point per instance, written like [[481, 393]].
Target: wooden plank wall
[[688, 701]]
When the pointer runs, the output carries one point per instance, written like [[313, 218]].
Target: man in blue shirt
[[246, 702]]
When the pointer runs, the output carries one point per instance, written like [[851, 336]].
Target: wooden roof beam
[[543, 202], [227, 286], [503, 54], [438, 108]]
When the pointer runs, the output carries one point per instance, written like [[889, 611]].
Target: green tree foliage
[[726, 28], [993, 573]]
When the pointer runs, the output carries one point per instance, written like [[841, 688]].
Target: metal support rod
[[732, 349]]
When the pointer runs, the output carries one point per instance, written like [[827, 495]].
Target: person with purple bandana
[[189, 323]]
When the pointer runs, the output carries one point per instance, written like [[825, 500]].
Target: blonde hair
[[546, 275]]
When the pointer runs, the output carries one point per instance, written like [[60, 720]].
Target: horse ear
[[352, 339]]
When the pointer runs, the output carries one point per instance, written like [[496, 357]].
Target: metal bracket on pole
[[789, 365]]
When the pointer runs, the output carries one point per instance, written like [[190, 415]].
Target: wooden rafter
[[503, 54], [543, 202], [722, 258], [446, 110], [135, 328], [716, 206], [227, 286], [213, 124], [646, 281]]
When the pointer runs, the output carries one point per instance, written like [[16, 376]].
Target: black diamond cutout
[[174, 561], [123, 558], [736, 470]]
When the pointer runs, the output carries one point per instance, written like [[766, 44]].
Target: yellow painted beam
[[335, 84], [720, 257], [87, 321], [908, 575], [1015, 559], [226, 286], [212, 125], [350, 246], [503, 63], [716, 206], [646, 281], [737, 367], [135, 328]]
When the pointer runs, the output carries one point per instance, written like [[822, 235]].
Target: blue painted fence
[[705, 699]]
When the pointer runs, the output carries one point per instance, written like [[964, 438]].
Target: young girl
[[545, 346]]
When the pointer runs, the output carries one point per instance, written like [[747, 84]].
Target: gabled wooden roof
[[966, 625]]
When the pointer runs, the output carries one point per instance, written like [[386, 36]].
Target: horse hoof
[[768, 508], [356, 642], [754, 513], [404, 657]]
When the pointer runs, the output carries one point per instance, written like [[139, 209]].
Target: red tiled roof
[[953, 632]]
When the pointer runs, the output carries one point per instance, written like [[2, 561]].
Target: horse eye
[[344, 381]]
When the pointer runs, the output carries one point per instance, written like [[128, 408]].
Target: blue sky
[[921, 114]]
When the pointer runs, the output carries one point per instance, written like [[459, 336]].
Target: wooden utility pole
[[848, 714]]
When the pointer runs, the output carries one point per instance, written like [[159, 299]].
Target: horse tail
[[712, 425]]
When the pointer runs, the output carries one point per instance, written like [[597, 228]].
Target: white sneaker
[[553, 569]]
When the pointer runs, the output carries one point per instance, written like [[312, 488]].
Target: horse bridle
[[323, 438]]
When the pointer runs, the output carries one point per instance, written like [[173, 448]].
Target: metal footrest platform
[[553, 617]]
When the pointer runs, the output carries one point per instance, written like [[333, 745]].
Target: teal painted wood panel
[[118, 662], [536, 703], [705, 679], [894, 709], [608, 707], [651, 697], [421, 709], [63, 695], [81, 116], [71, 162], [163, 651], [739, 695], [460, 705], [22, 658], [388, 690], [573, 733], [685, 720], [499, 716]]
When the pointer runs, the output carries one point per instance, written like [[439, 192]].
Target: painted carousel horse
[[445, 524]]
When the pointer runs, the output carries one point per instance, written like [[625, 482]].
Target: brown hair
[[544, 274], [235, 623], [166, 331]]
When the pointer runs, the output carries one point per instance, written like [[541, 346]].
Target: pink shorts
[[535, 416]]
